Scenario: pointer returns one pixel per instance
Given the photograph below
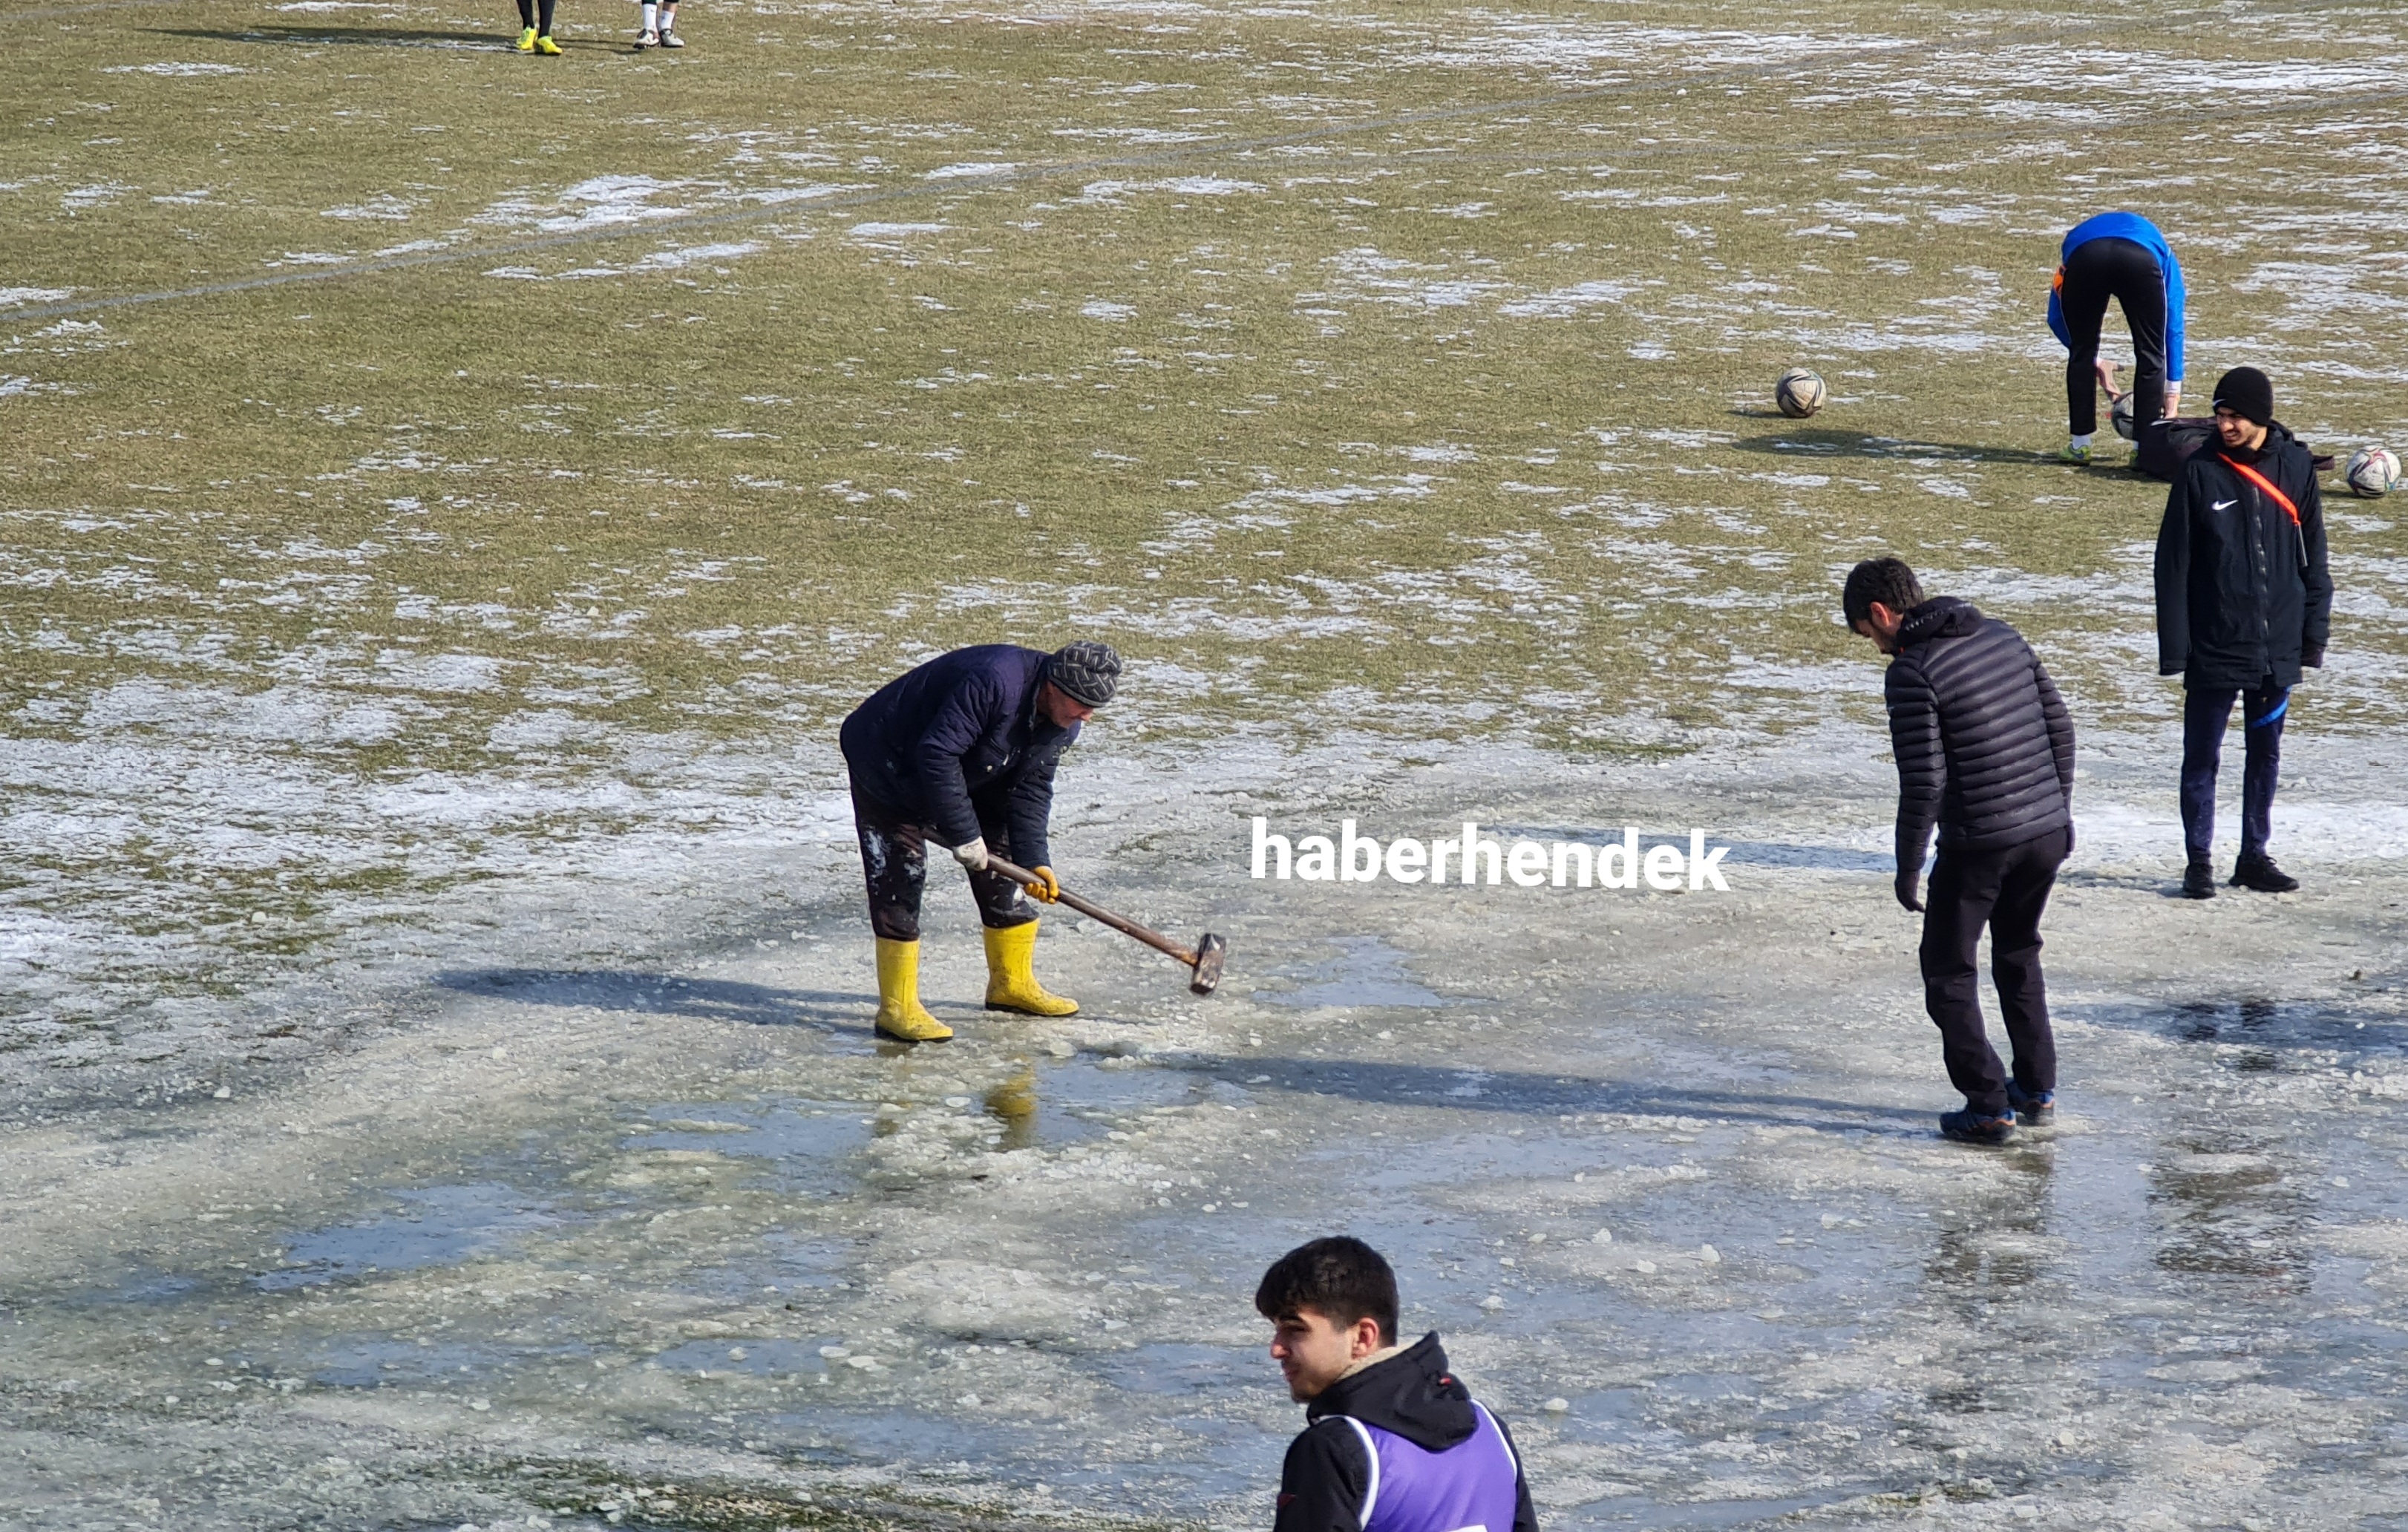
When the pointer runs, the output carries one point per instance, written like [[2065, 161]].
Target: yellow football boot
[[545, 45], [527, 41]]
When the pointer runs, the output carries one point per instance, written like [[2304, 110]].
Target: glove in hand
[[1907, 883], [1047, 888], [972, 854]]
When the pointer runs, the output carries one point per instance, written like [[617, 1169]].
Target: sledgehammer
[[1205, 961]]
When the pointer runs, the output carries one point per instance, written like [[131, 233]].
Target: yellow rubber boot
[[901, 1016], [1010, 978]]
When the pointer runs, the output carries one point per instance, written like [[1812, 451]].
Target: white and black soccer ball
[[2373, 472], [2119, 415], [1799, 392]]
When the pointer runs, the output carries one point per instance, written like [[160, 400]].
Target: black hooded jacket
[[1411, 1394], [1985, 746], [2243, 590]]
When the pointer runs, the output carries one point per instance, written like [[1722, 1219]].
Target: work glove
[[2315, 658], [1907, 882], [1047, 888], [972, 854]]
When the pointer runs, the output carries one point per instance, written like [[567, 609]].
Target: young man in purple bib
[[1392, 1441]]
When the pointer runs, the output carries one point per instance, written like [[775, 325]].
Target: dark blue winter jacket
[[2141, 232], [959, 741]]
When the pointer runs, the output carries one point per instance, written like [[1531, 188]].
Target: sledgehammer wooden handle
[[1155, 940]]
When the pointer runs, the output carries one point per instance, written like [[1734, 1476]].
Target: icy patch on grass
[[894, 231], [1109, 311], [1108, 191], [674, 259], [173, 71], [1365, 274], [970, 168], [1564, 302], [384, 207], [14, 297], [1509, 42], [604, 202]]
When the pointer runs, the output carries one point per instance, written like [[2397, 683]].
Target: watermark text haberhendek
[[1352, 858]]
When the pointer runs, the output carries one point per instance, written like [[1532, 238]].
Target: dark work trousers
[[2205, 712], [894, 862], [2005, 890], [2127, 272], [527, 16]]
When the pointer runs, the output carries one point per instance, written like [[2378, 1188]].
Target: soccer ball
[[1799, 392], [2373, 471], [2119, 415]]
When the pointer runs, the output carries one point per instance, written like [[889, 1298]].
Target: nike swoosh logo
[[2224, 504]]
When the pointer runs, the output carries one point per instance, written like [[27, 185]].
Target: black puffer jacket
[[1984, 744], [1413, 1395], [2243, 590]]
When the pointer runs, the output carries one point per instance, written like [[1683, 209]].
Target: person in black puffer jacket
[[1984, 751], [2244, 600]]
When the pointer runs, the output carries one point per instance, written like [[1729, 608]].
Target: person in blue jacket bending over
[[2120, 256]]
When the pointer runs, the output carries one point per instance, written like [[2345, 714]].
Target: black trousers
[[895, 863], [2205, 713], [2127, 272], [527, 16], [2005, 890]]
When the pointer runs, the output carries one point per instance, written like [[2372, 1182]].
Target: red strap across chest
[[2266, 485]]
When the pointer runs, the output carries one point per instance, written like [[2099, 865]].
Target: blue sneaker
[[2032, 1111], [1972, 1127]]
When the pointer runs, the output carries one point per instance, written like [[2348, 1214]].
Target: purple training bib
[[1469, 1488]]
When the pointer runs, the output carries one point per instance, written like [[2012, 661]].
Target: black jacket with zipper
[[1411, 1394], [2242, 590], [1984, 744]]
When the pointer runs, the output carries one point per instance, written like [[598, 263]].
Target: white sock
[[651, 16], [2082, 440], [668, 17]]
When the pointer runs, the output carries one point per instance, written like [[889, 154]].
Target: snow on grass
[[173, 71]]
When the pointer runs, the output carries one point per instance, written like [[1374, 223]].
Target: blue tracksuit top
[[2141, 232]]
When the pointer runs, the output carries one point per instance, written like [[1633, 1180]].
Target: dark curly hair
[[1340, 1279]]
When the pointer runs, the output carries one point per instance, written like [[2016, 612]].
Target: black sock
[[547, 17], [526, 13]]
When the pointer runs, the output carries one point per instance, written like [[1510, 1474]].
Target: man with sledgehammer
[[961, 753]]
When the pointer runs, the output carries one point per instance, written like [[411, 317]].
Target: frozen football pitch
[[448, 499]]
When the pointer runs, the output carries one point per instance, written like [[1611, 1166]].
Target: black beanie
[[2246, 392], [1085, 671]]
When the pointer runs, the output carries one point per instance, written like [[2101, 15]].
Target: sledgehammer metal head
[[1210, 953]]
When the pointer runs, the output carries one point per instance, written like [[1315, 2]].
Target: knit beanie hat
[[1085, 671], [2246, 392]]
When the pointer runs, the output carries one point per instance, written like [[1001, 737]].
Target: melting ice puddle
[[445, 1226], [361, 1361], [1173, 1367], [790, 1264], [783, 1358], [1367, 972]]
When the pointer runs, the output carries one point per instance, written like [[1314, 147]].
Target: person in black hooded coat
[[2244, 601], [1393, 1441]]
